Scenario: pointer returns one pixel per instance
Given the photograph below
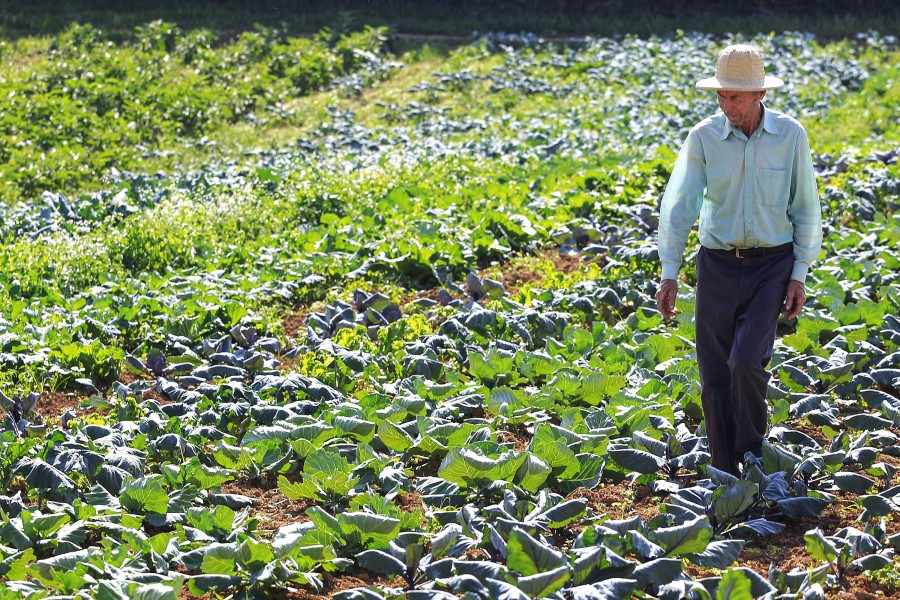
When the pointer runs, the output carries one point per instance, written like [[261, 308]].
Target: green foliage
[[87, 104]]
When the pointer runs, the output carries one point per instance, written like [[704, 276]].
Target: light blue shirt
[[751, 192]]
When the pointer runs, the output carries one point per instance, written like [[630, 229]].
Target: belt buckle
[[737, 253]]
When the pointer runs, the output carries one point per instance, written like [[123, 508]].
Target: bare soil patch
[[293, 322], [52, 405], [273, 508], [620, 500]]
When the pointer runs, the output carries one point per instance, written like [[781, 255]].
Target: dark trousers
[[737, 305]]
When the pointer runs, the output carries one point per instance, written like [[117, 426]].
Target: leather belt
[[754, 252]]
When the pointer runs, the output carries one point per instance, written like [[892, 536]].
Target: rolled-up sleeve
[[680, 205], [804, 212]]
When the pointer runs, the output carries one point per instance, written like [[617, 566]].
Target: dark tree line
[[674, 8]]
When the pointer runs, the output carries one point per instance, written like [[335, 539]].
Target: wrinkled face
[[741, 108]]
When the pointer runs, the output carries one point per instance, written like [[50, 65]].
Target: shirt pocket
[[773, 185]]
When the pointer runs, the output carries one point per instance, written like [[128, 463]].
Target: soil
[[271, 507], [293, 323], [51, 406], [620, 501]]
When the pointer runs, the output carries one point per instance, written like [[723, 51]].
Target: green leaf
[[14, 567], [589, 473], [855, 335], [487, 367], [377, 528], [326, 474], [201, 584], [358, 429], [590, 561], [380, 562], [468, 468], [62, 580], [553, 451], [853, 482], [776, 459], [327, 461], [220, 559], [205, 477], [528, 556], [323, 520], [643, 547], [730, 501], [598, 386], [614, 588], [759, 527], [208, 520], [637, 461], [566, 383], [798, 341], [780, 410], [281, 432], [794, 379], [144, 495], [254, 555], [735, 585], [309, 558], [300, 490], [872, 562], [689, 538], [564, 513], [539, 364], [532, 473], [155, 591], [545, 583], [113, 590], [819, 546], [658, 572], [867, 422], [64, 572], [393, 437], [38, 474], [159, 543], [719, 554], [502, 590], [802, 506], [876, 505], [37, 525], [506, 402]]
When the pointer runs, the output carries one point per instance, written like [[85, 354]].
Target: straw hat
[[740, 68]]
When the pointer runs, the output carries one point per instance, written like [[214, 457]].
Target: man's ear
[[762, 94]]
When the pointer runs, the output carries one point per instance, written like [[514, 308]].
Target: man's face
[[741, 108]]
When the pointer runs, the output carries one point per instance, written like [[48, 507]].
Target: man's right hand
[[665, 297]]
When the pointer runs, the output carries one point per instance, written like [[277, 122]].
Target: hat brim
[[714, 83]]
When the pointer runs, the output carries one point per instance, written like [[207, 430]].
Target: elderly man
[[747, 173]]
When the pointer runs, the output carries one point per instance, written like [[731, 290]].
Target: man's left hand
[[794, 299]]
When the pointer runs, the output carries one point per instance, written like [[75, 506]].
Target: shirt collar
[[768, 123]]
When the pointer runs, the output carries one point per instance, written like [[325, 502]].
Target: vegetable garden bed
[[390, 332]]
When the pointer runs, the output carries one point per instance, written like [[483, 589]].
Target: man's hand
[[665, 297], [794, 299]]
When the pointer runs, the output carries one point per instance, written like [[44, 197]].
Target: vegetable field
[[300, 317]]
